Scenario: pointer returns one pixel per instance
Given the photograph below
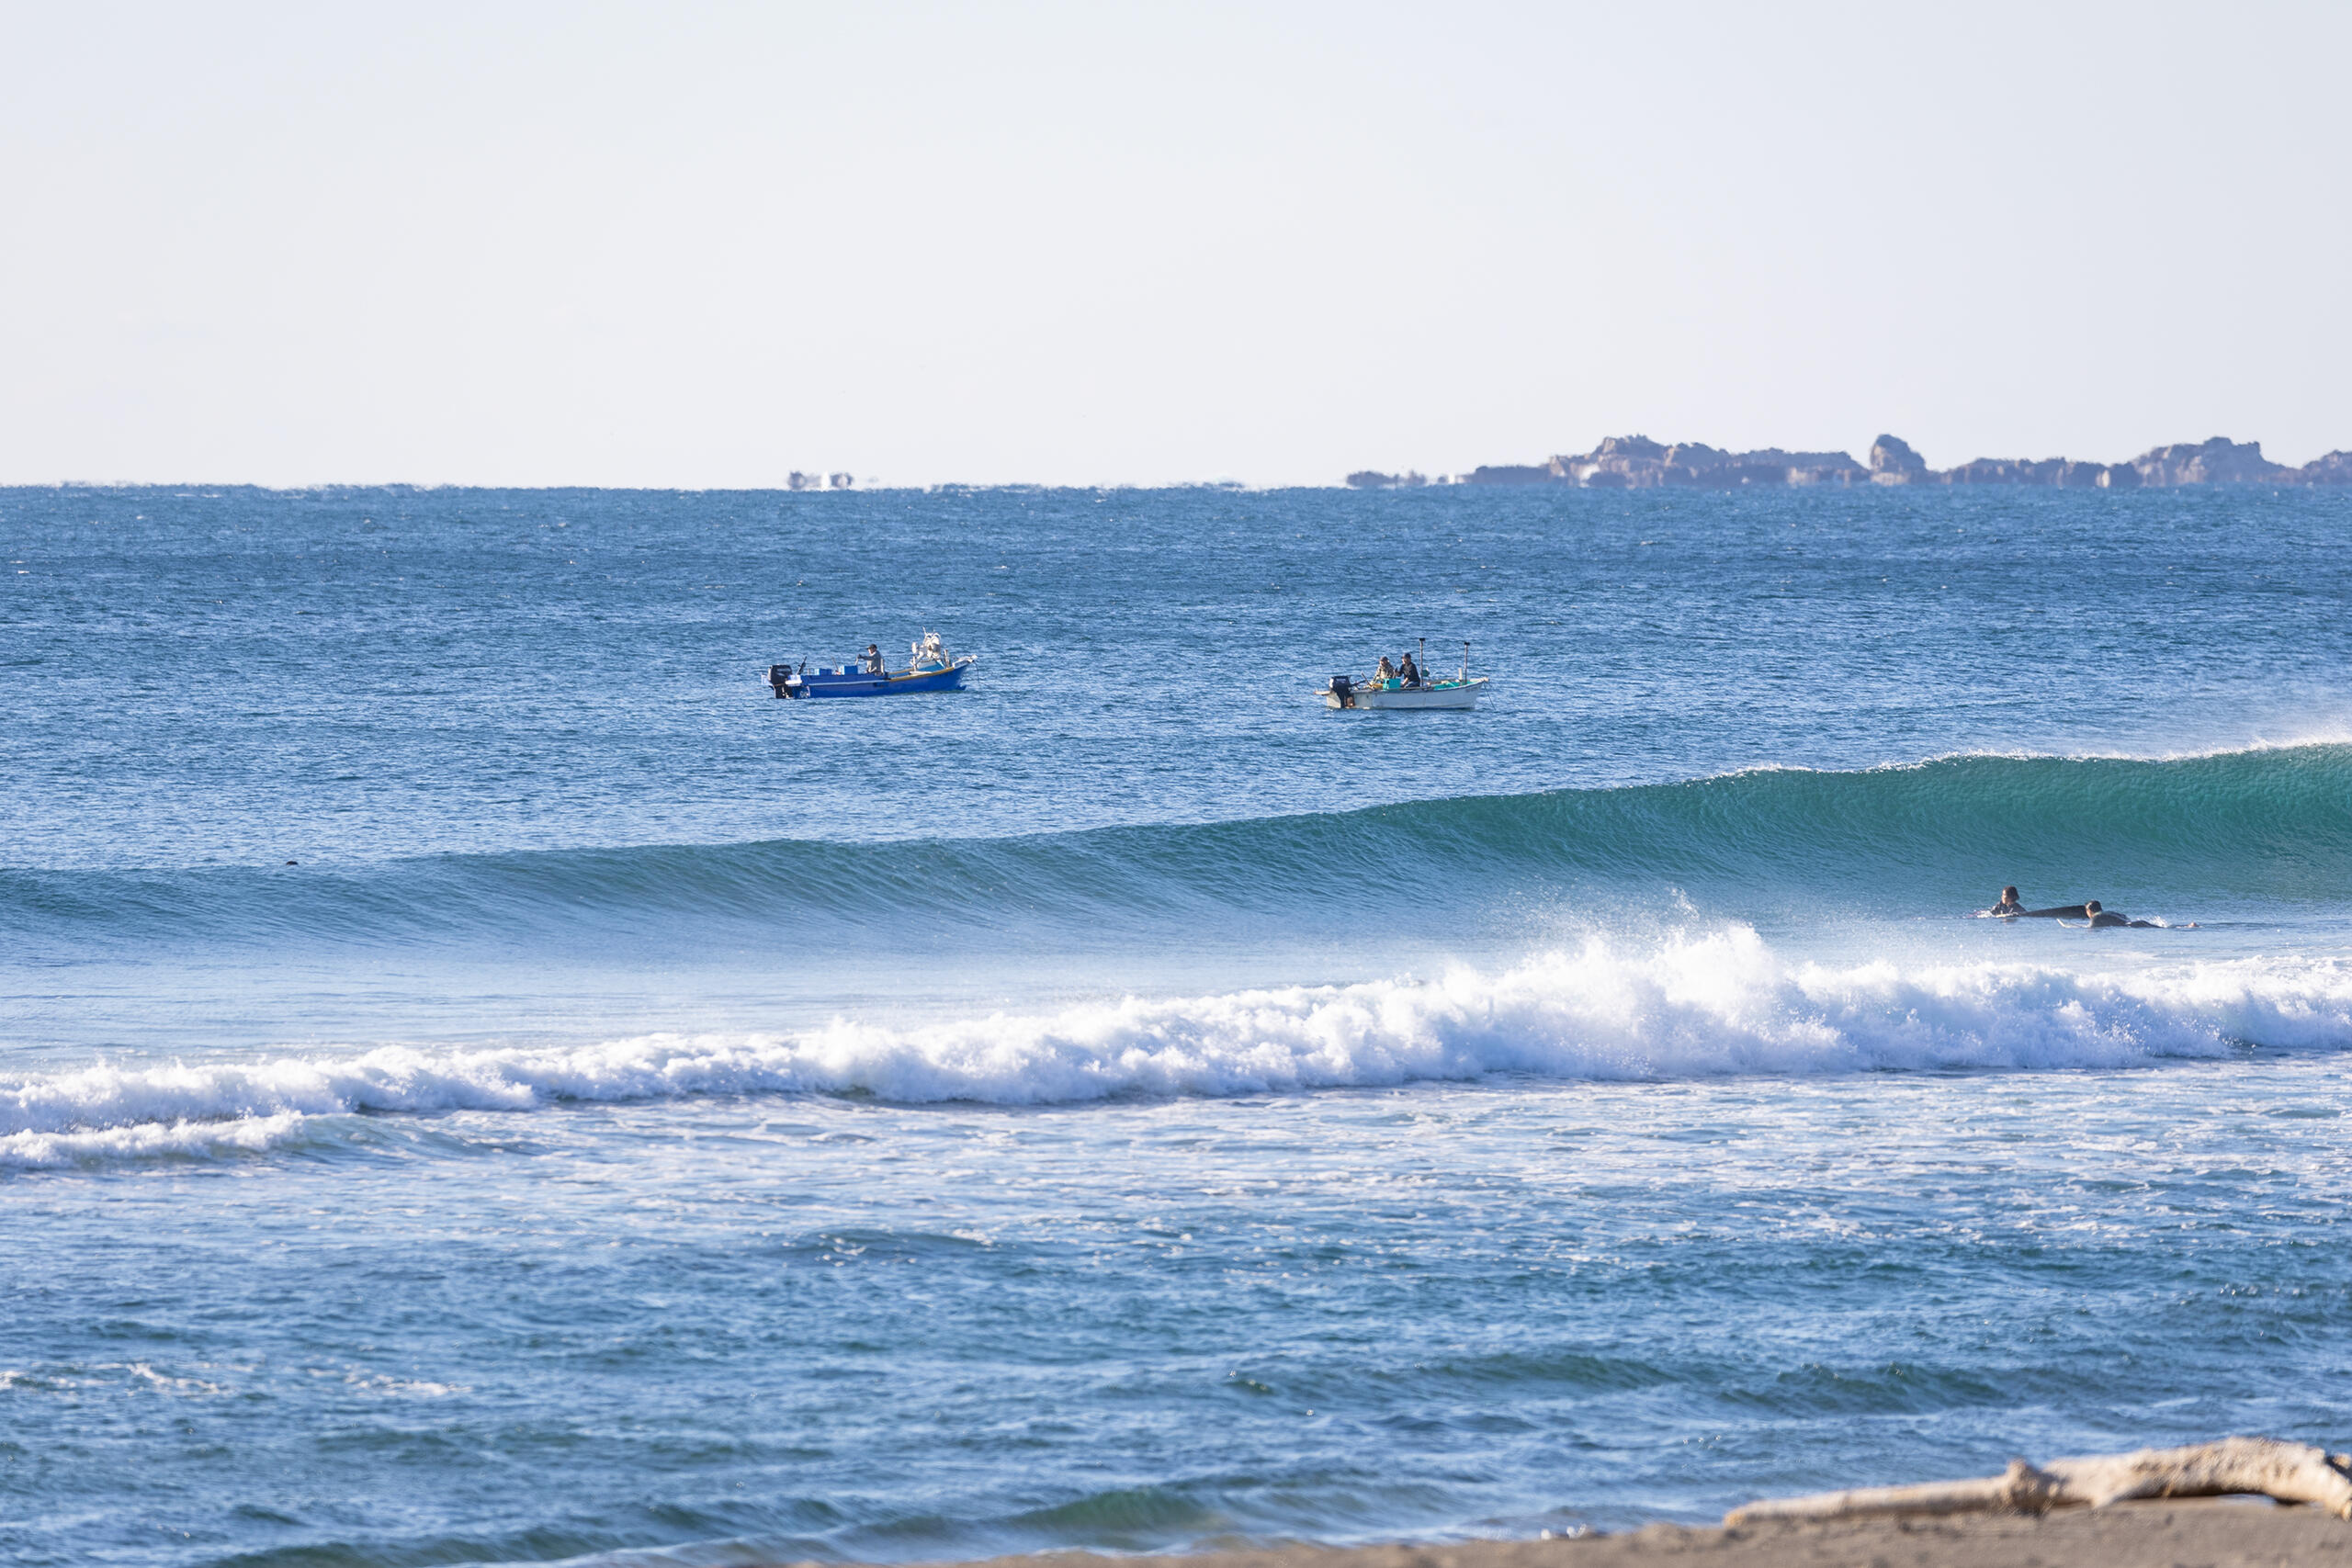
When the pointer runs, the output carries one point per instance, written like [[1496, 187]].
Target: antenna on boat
[[1423, 661], [1465, 660]]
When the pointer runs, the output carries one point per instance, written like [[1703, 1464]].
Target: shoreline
[[2176, 1533]]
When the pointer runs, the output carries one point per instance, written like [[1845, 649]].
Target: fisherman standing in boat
[[873, 658]]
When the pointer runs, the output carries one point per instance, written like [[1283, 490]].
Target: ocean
[[484, 1082]]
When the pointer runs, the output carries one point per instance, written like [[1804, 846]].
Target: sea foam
[[1688, 1007]]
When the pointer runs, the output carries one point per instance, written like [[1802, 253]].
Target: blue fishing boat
[[932, 668]]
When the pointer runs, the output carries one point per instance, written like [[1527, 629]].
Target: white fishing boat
[[1384, 691]]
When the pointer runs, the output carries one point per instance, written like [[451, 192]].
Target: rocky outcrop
[[1636, 462], [1373, 478], [2048, 471], [2219, 461], [1893, 463]]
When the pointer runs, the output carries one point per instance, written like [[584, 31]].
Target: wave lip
[[1711, 1006]]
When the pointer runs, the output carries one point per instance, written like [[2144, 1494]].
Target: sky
[[705, 245]]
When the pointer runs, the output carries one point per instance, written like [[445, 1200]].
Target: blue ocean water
[[481, 1081]]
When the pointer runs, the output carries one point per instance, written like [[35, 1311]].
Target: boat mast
[[1465, 660]]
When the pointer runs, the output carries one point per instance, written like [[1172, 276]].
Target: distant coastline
[[1636, 462]]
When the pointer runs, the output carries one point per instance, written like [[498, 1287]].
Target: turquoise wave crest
[[2245, 827]]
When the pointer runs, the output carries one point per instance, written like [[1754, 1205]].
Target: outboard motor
[[1345, 690], [783, 682]]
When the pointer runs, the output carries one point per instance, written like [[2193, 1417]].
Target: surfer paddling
[[2101, 917], [2010, 909]]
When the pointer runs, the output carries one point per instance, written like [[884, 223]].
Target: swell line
[[2273, 825]]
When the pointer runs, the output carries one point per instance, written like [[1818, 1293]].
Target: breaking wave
[[2266, 825], [1718, 1005]]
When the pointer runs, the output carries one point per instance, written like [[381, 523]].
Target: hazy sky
[[682, 244]]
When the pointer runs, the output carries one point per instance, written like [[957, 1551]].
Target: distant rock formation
[[1373, 478], [1636, 462], [1893, 463], [2024, 471], [2219, 461]]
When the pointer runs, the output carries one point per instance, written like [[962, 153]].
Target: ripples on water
[[656, 1119], [846, 1328]]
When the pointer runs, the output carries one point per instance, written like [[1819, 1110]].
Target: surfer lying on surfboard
[[2009, 908], [2090, 909]]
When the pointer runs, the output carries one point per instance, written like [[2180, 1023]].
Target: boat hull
[[1457, 695]]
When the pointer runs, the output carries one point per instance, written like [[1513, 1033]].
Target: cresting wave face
[[1717, 1005], [2273, 825]]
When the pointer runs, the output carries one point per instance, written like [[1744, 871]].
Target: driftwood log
[[2289, 1472]]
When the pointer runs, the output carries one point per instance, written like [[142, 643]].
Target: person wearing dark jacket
[[2101, 917], [2009, 908]]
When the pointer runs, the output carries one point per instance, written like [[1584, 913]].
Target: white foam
[[1722, 1004], [32, 1150]]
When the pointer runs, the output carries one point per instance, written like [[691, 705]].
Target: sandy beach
[[2197, 1534]]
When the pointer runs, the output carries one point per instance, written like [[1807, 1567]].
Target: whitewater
[[481, 1081], [1716, 1006]]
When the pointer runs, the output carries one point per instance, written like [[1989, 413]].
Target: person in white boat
[[873, 658], [1408, 673], [1386, 672]]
